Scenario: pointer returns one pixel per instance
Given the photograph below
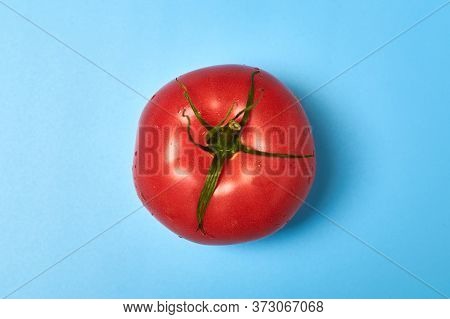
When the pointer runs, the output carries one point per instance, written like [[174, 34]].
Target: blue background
[[67, 134]]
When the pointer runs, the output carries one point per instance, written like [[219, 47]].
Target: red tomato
[[224, 155]]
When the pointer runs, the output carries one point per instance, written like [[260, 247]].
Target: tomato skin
[[249, 202]]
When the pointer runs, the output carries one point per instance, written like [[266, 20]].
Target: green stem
[[191, 138], [223, 140], [194, 108], [208, 188], [249, 150], [250, 100], [246, 109], [226, 115], [216, 128]]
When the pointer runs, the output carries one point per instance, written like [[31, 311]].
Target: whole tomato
[[224, 155]]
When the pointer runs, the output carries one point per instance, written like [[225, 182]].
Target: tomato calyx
[[223, 141]]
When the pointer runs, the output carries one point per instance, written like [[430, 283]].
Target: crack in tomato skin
[[223, 141]]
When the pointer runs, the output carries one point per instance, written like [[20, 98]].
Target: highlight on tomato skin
[[224, 155]]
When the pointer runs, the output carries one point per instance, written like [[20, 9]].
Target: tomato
[[224, 155]]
